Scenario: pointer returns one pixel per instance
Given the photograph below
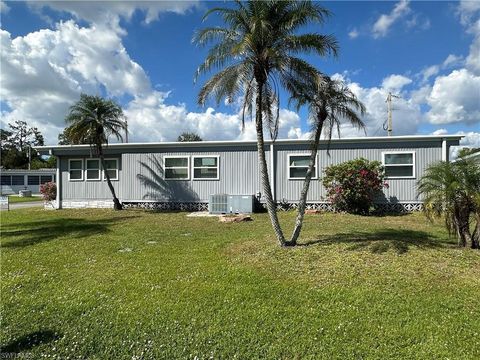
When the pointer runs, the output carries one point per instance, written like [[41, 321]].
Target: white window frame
[[99, 169], [81, 170], [116, 169], [176, 167], [205, 167], [413, 164], [314, 176]]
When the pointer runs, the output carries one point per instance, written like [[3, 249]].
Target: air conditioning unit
[[231, 204], [217, 204]]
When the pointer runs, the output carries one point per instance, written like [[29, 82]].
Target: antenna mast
[[389, 113]]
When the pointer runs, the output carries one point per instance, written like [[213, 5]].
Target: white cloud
[[353, 34], [395, 82], [471, 140], [108, 13], [455, 98], [44, 72], [406, 115], [4, 8], [430, 71], [452, 60], [385, 21]]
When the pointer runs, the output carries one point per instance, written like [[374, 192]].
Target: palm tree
[[329, 102], [92, 120], [452, 190], [257, 51], [189, 136]]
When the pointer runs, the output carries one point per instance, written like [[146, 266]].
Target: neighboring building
[[174, 175], [14, 180]]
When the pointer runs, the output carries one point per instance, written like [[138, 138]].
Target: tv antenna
[[388, 123]]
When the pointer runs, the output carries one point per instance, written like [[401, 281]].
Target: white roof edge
[[253, 142]]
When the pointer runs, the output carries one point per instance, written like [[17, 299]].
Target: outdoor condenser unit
[[230, 204]]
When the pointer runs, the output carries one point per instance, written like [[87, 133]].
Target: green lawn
[[13, 199], [98, 284]]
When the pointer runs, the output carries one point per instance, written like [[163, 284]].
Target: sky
[[142, 55]]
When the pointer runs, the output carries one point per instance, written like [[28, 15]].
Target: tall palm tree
[[92, 120], [330, 102], [452, 190], [257, 51]]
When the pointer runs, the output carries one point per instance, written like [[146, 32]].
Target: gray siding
[[238, 174], [403, 190], [238, 171]]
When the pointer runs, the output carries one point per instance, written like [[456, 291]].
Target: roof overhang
[[51, 149]]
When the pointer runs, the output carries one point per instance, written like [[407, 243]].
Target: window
[[111, 168], [6, 180], [92, 171], [45, 178], [298, 166], [399, 164], [75, 169], [33, 180], [18, 180], [205, 167], [176, 167]]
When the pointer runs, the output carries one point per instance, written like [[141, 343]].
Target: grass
[[97, 284], [14, 199]]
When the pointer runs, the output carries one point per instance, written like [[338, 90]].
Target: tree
[[467, 151], [189, 136], [66, 138], [329, 102], [94, 119], [257, 51], [452, 190], [24, 136], [16, 145]]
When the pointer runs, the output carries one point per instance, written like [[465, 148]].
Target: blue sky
[[141, 54]]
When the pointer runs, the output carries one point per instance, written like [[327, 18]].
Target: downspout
[[58, 180], [272, 170], [444, 150]]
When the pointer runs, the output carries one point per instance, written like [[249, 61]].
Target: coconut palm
[[452, 190], [330, 103], [257, 52], [92, 120]]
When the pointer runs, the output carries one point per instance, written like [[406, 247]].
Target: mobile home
[[15, 180], [173, 175]]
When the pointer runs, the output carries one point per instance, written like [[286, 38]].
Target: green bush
[[353, 185]]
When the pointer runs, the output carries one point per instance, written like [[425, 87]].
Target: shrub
[[49, 191], [353, 185]]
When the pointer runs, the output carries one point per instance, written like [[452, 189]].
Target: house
[[14, 180], [173, 175]]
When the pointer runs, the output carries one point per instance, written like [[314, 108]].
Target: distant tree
[[467, 151], [23, 136], [16, 145], [189, 136], [452, 190], [95, 119]]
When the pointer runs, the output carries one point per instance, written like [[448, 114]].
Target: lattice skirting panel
[[166, 206], [381, 208]]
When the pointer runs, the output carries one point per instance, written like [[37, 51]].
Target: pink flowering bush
[[353, 185], [48, 191]]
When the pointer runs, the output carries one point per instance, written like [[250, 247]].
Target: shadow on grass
[[35, 232], [398, 240], [29, 341]]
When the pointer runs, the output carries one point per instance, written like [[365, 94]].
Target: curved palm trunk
[[116, 203], [267, 190], [302, 204], [476, 233]]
